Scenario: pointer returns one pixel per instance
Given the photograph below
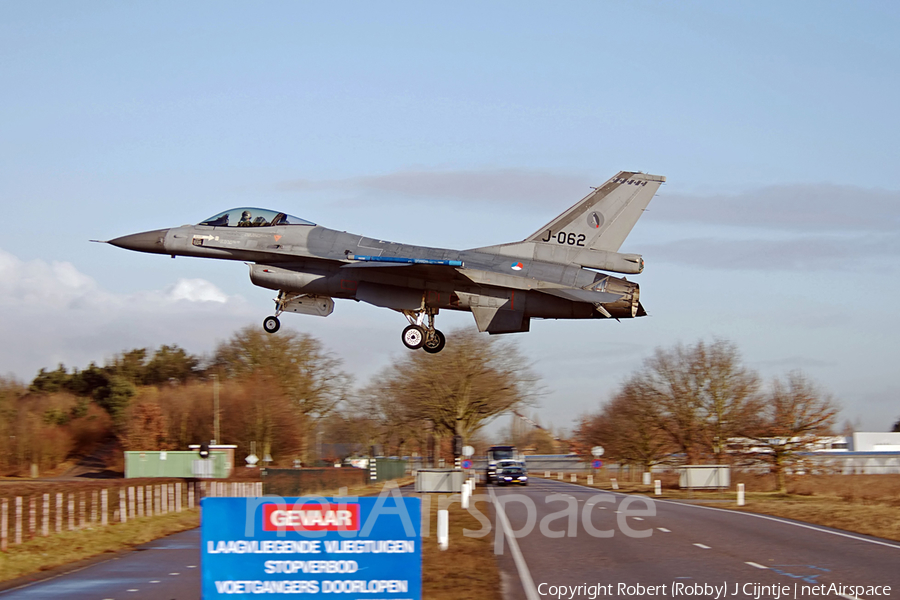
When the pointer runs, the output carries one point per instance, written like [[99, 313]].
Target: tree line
[[700, 404], [284, 392]]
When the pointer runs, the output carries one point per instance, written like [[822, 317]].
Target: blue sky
[[457, 126]]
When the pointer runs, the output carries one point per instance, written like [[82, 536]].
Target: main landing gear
[[418, 335]]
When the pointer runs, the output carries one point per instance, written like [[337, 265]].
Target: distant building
[[864, 441]]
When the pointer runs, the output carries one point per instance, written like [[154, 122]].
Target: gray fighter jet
[[556, 273]]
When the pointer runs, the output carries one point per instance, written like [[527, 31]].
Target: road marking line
[[664, 530], [786, 522], [131, 590], [849, 597], [638, 518], [704, 546], [749, 514], [155, 581], [174, 573], [757, 565], [192, 566], [521, 567]]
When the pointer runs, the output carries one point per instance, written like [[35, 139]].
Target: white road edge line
[[748, 514], [704, 546], [849, 597], [524, 575], [757, 565], [664, 530]]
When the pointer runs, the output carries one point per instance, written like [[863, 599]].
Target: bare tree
[[146, 428], [794, 413], [628, 427], [701, 393], [459, 390], [306, 372]]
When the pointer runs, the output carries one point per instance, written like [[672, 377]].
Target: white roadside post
[[596, 452], [18, 537], [615, 483], [45, 516], [740, 494], [646, 478], [464, 500], [657, 487], [443, 529]]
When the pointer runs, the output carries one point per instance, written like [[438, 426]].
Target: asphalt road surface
[[164, 569], [688, 544], [754, 556]]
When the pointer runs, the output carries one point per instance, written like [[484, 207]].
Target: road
[[167, 568], [687, 545]]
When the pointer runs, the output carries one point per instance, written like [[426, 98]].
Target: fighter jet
[[561, 271]]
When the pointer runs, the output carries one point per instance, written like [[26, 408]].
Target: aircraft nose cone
[[148, 241]]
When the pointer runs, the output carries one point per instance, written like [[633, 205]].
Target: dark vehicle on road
[[495, 455], [512, 475]]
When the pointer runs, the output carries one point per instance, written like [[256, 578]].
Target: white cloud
[[54, 313], [802, 207], [800, 253], [195, 290]]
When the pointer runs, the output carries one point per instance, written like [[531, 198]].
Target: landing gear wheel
[[271, 324], [413, 337], [434, 343]]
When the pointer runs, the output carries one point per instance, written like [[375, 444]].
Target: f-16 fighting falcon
[[555, 273]]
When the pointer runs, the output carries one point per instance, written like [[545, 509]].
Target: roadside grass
[[866, 504], [43, 553], [467, 569]]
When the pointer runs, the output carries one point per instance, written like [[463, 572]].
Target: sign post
[[314, 546]]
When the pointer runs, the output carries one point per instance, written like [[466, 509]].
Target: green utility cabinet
[[176, 463]]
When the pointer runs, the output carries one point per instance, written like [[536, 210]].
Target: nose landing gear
[[271, 324], [419, 335]]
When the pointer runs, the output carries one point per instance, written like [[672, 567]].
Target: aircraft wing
[[578, 295]]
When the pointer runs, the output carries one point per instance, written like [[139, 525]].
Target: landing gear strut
[[272, 324], [419, 335]]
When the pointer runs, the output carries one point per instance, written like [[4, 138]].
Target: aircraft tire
[[436, 344], [413, 337], [271, 324]]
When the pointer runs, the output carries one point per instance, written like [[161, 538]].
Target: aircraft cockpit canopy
[[253, 217]]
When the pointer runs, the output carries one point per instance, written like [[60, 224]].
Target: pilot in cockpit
[[245, 220]]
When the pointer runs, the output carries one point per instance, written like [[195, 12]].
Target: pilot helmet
[[245, 215]]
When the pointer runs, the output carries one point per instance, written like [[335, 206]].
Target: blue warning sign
[[315, 546]]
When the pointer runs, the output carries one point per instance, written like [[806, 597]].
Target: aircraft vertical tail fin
[[605, 217]]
